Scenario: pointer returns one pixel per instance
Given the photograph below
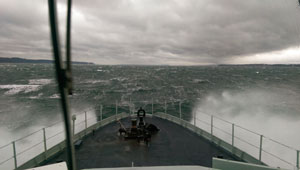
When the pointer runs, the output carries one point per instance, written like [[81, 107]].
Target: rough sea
[[262, 98]]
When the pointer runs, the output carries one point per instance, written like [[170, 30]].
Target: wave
[[55, 96], [40, 81], [18, 88], [97, 81], [36, 97], [200, 81]]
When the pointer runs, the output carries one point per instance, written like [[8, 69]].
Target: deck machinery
[[139, 130]]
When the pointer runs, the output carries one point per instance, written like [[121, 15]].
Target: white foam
[[40, 81], [119, 79], [200, 81], [97, 81], [36, 97], [55, 96], [262, 111], [17, 88]]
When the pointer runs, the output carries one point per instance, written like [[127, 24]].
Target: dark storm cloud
[[154, 31], [24, 31]]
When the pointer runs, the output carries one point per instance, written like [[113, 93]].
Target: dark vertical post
[[68, 48], [73, 119], [232, 136], [165, 107], [260, 147], [62, 82], [15, 154], [211, 126], [101, 109], [116, 109], [180, 114], [130, 106], [194, 118], [85, 120], [45, 142], [152, 107], [297, 161]]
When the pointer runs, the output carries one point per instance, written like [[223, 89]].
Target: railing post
[[211, 126], [232, 135], [101, 112], [45, 142], [116, 109], [130, 106], [85, 119], [260, 147], [152, 107], [180, 116], [73, 119], [165, 107], [297, 162], [132, 109], [15, 154], [98, 113], [194, 118]]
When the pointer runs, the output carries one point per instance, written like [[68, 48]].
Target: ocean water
[[262, 98]]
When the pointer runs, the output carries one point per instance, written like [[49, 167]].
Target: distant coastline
[[39, 61], [259, 65]]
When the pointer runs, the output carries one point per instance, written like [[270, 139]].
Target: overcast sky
[[173, 32]]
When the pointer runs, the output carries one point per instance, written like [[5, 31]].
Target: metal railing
[[264, 149], [19, 151]]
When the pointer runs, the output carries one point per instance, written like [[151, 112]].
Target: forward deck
[[172, 145]]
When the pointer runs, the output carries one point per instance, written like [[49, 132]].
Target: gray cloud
[[153, 31]]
